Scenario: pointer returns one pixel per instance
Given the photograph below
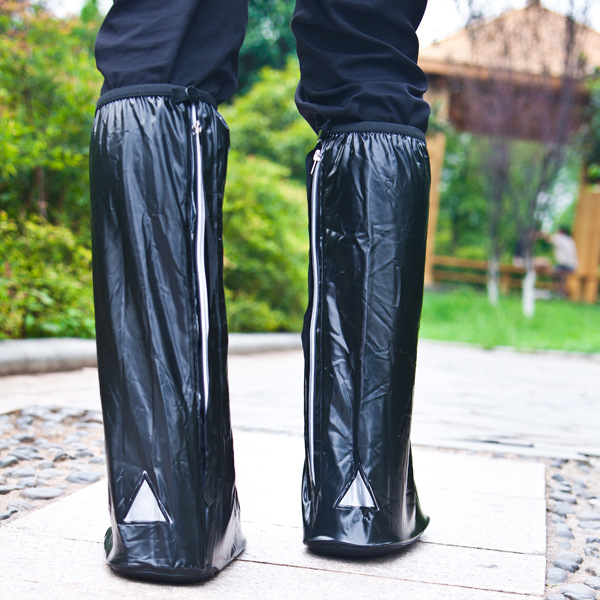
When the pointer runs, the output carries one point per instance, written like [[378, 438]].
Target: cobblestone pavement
[[46, 452], [573, 529], [534, 406]]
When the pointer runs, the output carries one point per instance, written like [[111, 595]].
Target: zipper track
[[317, 157], [200, 262]]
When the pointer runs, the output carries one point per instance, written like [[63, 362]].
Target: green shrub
[[266, 246], [45, 273], [265, 122], [48, 88], [45, 281]]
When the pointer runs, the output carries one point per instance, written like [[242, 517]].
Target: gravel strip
[[46, 453], [573, 529]]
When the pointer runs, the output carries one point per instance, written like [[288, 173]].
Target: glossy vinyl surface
[[169, 447], [370, 202]]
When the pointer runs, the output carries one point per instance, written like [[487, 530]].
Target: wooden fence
[[465, 270]]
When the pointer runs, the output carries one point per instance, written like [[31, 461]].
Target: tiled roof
[[527, 41]]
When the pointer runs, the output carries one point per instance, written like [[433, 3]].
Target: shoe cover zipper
[[317, 157], [200, 243]]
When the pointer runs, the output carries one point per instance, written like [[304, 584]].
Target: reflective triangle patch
[[358, 495], [146, 507]]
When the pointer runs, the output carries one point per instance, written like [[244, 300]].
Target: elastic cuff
[[177, 93], [373, 127]]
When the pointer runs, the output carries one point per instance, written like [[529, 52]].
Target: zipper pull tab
[[197, 128], [317, 157]]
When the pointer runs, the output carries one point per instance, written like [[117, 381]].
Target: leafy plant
[[265, 215], [48, 86], [266, 246], [269, 40], [45, 281], [265, 121]]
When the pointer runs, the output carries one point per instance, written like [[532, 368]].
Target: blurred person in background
[[565, 258]]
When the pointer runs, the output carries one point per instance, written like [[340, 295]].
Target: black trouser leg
[[182, 42], [358, 62]]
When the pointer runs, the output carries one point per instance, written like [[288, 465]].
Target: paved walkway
[[466, 398], [487, 536], [486, 541]]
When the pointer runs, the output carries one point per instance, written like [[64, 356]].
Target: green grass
[[465, 315]]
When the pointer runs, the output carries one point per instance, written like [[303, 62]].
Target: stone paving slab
[[467, 398], [491, 522], [502, 508], [454, 566], [532, 404], [243, 580], [59, 546], [78, 389], [539, 405]]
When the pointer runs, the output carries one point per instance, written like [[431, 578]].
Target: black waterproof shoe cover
[[368, 200], [157, 167]]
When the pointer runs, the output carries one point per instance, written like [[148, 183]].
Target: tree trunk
[[528, 288], [42, 202], [492, 280]]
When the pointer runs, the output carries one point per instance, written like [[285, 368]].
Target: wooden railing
[[466, 270]]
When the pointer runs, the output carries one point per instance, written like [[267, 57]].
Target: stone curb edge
[[27, 357]]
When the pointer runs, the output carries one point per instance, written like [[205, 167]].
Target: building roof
[[529, 41]]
